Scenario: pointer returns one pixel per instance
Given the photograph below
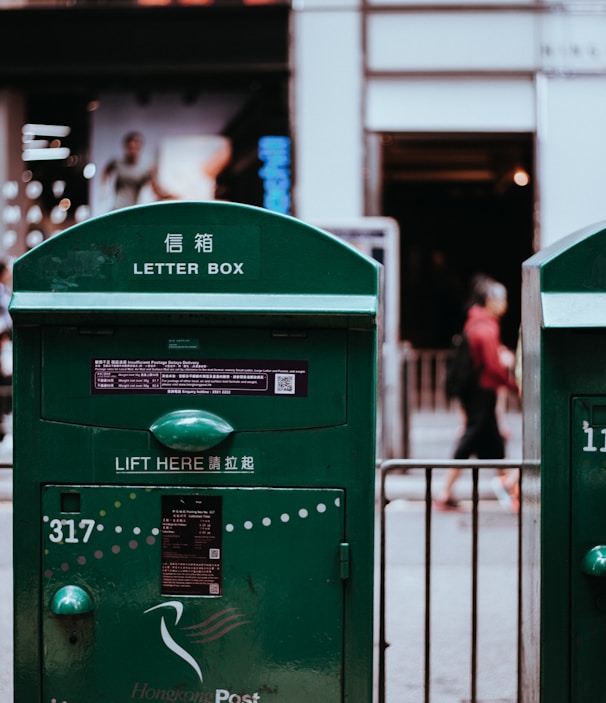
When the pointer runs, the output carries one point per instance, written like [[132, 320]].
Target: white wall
[[571, 155], [328, 125], [451, 41], [458, 104], [426, 73]]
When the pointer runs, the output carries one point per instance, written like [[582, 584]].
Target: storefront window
[[82, 157]]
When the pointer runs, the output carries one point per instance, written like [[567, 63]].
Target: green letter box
[[564, 479], [194, 391]]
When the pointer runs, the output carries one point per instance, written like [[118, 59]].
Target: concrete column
[[327, 119]]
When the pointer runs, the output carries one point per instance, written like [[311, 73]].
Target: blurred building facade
[[476, 125]]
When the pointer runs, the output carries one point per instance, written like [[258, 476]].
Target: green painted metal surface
[[564, 523], [194, 413], [274, 626]]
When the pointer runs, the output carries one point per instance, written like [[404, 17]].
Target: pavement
[[6, 472], [433, 436]]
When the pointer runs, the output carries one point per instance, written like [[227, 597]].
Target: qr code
[[214, 553], [284, 384], [214, 589]]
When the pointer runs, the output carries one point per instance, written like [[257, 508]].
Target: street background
[[432, 436]]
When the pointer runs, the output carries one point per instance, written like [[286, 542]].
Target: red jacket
[[483, 331]]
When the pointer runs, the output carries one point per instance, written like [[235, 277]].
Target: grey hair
[[496, 290]]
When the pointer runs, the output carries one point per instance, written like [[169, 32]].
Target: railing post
[[405, 371]]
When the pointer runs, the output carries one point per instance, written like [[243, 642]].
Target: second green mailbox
[[194, 390], [564, 480]]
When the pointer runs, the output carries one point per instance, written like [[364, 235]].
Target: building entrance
[[464, 204]]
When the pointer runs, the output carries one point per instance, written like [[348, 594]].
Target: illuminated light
[[45, 154], [34, 190], [9, 238], [89, 171], [33, 238], [34, 215], [58, 215], [11, 214], [82, 213], [46, 130], [58, 188], [521, 177], [35, 143], [65, 204], [10, 189]]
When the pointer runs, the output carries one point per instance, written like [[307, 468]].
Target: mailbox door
[[588, 602], [194, 594]]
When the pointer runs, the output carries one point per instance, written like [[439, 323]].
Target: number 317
[[65, 530]]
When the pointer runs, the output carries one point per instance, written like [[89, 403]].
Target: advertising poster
[[160, 148]]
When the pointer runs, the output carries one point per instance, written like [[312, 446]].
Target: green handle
[[71, 600], [190, 430], [594, 562]]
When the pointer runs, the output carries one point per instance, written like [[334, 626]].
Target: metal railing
[[424, 373], [428, 467], [424, 378]]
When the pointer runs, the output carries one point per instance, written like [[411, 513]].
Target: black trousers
[[481, 437]]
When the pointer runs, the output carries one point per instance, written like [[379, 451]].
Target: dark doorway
[[460, 213]]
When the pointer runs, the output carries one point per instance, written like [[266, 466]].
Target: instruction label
[[200, 377], [191, 545]]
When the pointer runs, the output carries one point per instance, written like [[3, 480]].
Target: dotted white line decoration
[[302, 513], [99, 554], [150, 538]]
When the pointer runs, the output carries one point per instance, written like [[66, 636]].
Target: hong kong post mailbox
[[194, 389], [564, 478]]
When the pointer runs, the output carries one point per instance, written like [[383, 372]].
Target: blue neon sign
[[275, 154]]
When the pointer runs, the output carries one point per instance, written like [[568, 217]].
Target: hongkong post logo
[[178, 637]]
